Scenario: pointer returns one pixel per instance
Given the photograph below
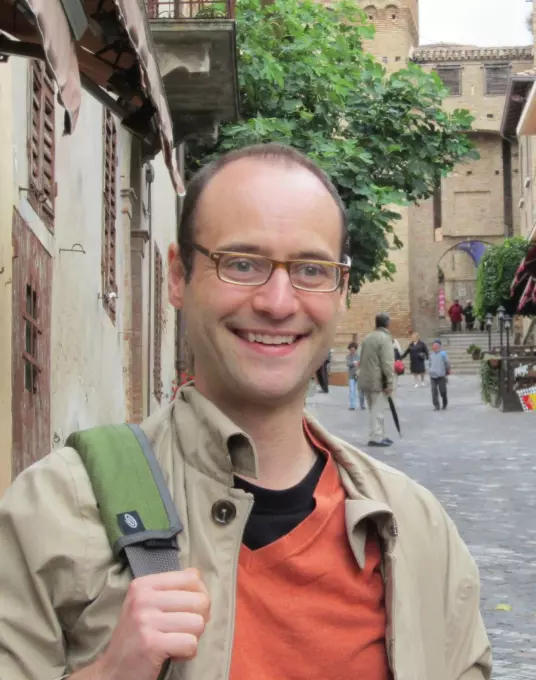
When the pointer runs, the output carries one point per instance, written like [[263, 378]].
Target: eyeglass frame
[[216, 255]]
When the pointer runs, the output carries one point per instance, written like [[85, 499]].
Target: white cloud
[[487, 23]]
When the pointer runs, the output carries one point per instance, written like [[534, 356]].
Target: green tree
[[495, 274], [384, 140]]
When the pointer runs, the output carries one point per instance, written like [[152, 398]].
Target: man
[[439, 370], [352, 363], [456, 315], [302, 557], [469, 315], [376, 377]]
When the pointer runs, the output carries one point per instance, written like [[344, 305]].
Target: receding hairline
[[268, 159]]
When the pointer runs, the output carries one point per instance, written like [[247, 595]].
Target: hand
[[388, 391], [163, 617]]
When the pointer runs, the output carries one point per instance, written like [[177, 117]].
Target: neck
[[284, 454]]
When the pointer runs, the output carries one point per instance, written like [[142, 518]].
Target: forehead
[[271, 203]]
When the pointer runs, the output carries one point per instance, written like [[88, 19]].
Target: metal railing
[[190, 9]]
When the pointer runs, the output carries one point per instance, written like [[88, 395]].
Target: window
[[451, 77], [41, 144], [497, 77], [108, 263], [31, 335], [158, 322]]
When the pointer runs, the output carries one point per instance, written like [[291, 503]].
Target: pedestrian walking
[[456, 316], [469, 315], [310, 558], [418, 356], [352, 362], [376, 377], [439, 371]]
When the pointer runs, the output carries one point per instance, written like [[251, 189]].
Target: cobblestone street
[[481, 464]]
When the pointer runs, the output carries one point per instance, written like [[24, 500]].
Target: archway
[[457, 273]]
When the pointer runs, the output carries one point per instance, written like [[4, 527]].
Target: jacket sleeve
[[425, 350], [43, 544], [468, 649], [406, 352]]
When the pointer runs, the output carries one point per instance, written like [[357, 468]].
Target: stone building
[[476, 205]]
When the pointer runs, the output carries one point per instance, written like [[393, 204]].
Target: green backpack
[[135, 504]]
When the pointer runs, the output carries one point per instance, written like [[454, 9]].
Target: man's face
[[352, 350], [436, 347], [283, 213]]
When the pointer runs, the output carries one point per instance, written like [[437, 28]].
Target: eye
[[241, 265], [313, 269]]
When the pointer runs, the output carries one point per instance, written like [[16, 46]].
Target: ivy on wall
[[495, 274]]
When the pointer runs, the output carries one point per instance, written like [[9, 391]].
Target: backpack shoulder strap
[[135, 504]]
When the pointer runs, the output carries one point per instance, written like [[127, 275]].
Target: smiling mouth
[[264, 339]]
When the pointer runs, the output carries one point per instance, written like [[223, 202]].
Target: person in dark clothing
[[456, 316], [322, 374], [418, 356], [469, 314]]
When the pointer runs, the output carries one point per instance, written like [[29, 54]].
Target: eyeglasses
[[245, 269]]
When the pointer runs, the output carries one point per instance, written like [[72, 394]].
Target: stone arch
[[372, 12], [457, 268], [392, 12]]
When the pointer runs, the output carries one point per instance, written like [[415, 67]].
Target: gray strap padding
[[144, 561]]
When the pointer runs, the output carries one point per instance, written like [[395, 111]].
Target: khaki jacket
[[61, 590], [377, 361]]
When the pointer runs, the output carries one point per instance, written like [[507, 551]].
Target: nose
[[276, 298]]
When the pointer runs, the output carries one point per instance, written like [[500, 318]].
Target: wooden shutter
[[451, 77], [32, 286], [158, 322], [41, 144], [109, 242], [497, 77]]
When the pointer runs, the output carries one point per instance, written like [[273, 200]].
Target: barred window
[[451, 77], [108, 261], [41, 143], [497, 77], [158, 387]]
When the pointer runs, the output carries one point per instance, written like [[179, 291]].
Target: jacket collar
[[215, 446]]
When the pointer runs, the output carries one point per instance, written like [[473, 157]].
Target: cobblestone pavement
[[481, 464]]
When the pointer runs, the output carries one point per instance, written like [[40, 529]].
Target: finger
[[180, 622], [180, 601], [177, 646], [189, 579]]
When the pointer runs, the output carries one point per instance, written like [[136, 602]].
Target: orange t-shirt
[[305, 610]]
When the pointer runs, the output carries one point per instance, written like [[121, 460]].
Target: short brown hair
[[272, 152]]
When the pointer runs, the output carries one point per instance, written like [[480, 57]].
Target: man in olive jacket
[[264, 493], [376, 377]]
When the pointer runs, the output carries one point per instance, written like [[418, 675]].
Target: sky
[[485, 23]]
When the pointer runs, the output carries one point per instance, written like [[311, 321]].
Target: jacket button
[[223, 512]]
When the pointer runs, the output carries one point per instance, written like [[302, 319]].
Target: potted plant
[[475, 351]]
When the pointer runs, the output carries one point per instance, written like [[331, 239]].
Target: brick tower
[[397, 33]]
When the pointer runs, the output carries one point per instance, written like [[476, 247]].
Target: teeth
[[271, 339]]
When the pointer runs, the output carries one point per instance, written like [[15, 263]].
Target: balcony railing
[[191, 9]]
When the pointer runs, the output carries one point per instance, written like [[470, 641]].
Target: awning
[[105, 46], [523, 290]]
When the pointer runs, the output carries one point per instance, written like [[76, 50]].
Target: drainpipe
[[149, 178]]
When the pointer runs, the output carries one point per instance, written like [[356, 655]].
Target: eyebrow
[[241, 247]]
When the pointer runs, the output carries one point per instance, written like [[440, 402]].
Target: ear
[[176, 277], [344, 301]]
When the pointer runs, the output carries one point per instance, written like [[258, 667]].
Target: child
[[439, 370]]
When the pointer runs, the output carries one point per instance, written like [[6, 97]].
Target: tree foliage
[[384, 140], [495, 274]]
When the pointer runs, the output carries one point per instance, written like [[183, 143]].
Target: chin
[[270, 391]]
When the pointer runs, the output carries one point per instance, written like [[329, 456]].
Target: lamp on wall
[[489, 324]]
